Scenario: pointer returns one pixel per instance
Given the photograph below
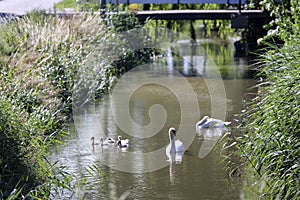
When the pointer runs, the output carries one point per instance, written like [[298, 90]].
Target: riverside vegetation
[[270, 144], [41, 56]]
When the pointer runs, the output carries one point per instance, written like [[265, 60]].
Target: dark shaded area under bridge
[[239, 17]]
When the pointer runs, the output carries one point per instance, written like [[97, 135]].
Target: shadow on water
[[197, 176]]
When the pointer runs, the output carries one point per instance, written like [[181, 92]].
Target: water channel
[[130, 172]]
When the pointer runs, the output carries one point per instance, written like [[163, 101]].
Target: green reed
[[40, 56], [270, 143], [45, 60]]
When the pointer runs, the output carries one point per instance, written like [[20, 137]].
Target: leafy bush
[[285, 18]]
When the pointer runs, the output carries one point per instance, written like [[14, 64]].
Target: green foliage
[[271, 137], [120, 22], [25, 138], [133, 54], [37, 73], [45, 59], [271, 124], [286, 16], [81, 5], [66, 4], [222, 26]]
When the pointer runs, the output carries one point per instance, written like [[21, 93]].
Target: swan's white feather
[[208, 122], [175, 148], [122, 143]]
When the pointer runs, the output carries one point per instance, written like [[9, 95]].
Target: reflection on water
[[194, 60], [210, 137], [201, 174]]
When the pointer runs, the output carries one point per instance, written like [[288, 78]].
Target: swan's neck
[[119, 143], [93, 141], [202, 121], [172, 143]]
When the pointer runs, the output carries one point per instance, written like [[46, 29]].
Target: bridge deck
[[200, 14], [174, 1]]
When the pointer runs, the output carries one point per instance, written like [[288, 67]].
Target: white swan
[[175, 149], [122, 143], [207, 122]]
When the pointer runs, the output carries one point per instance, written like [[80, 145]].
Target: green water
[[141, 177]]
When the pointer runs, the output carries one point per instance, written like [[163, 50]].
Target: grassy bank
[[40, 57], [271, 137], [270, 144]]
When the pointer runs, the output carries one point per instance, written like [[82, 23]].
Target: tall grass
[[44, 60], [41, 56], [24, 140], [271, 125], [46, 52], [271, 128]]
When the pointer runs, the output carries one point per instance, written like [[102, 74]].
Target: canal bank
[[270, 123], [40, 56]]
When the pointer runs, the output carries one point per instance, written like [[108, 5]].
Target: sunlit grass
[[45, 59], [40, 57], [270, 126], [66, 4], [79, 5]]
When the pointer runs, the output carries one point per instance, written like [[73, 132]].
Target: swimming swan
[[174, 145], [207, 122], [175, 149], [122, 143]]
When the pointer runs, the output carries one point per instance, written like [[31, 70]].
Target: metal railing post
[[102, 4]]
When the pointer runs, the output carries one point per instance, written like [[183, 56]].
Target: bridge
[[239, 17], [102, 2]]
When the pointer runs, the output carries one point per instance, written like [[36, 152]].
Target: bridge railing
[[230, 2]]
